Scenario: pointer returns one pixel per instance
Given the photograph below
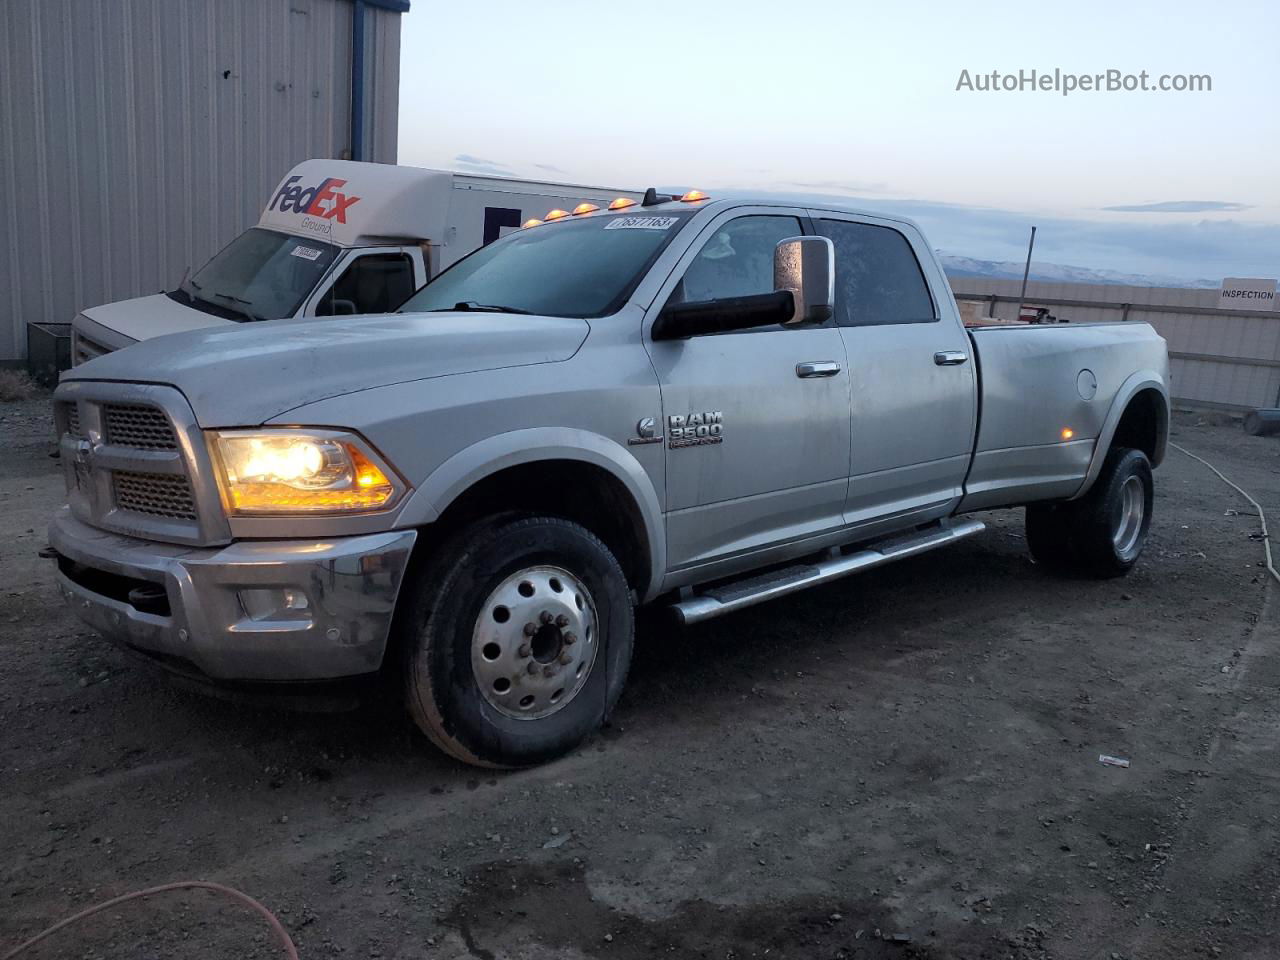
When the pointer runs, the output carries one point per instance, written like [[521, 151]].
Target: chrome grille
[[138, 467], [156, 494], [132, 425]]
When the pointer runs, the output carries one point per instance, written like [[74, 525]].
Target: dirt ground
[[901, 764]]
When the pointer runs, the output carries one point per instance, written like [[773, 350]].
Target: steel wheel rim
[[1130, 514], [534, 642]]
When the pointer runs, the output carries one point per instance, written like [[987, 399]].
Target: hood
[[245, 374], [145, 317]]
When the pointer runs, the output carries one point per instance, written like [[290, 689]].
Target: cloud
[[476, 164], [844, 186], [1179, 206], [550, 167]]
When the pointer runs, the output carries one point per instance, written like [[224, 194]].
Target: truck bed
[[1034, 383]]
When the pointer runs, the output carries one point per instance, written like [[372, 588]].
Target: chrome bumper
[[342, 594]]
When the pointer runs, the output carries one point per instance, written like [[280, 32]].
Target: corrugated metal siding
[[138, 137], [1226, 358]]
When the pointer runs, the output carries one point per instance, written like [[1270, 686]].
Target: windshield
[[578, 268], [260, 275]]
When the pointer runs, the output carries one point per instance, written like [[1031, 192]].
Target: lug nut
[[530, 629], [524, 650], [546, 617], [548, 671], [570, 639], [562, 621], [565, 658], [533, 666]]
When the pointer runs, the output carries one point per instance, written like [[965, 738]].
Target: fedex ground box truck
[[336, 237]]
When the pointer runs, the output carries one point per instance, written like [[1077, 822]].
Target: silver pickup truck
[[697, 403]]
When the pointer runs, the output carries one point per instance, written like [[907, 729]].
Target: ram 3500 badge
[[687, 430]]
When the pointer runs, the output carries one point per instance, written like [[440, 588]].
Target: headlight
[[293, 471]]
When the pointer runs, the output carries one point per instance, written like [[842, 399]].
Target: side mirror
[[806, 267], [343, 308], [804, 291]]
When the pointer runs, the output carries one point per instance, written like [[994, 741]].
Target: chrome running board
[[740, 594]]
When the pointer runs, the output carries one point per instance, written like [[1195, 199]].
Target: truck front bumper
[[268, 610]]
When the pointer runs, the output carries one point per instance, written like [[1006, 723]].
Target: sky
[[859, 101]]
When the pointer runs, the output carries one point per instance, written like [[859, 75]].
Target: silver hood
[[246, 374]]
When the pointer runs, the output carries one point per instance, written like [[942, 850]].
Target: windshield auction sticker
[[306, 253], [641, 223]]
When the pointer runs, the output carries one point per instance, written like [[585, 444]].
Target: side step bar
[[746, 593]]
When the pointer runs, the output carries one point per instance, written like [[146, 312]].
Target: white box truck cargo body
[[335, 238]]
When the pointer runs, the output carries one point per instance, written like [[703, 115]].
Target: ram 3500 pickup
[[690, 402]]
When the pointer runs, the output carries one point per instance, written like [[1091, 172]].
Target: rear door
[[912, 380], [756, 421]]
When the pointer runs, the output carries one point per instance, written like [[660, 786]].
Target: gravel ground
[[902, 764]]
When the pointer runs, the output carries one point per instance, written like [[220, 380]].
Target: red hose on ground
[[242, 898]]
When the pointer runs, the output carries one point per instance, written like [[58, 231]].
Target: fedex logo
[[323, 200]]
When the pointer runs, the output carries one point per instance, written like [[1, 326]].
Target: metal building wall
[[1217, 358], [138, 137]]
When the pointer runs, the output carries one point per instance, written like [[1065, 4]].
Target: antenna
[[1022, 297]]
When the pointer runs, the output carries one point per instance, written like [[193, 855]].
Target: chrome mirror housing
[[805, 267]]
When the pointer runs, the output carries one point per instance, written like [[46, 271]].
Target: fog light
[[275, 604]]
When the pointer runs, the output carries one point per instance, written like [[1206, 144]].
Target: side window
[[737, 261], [878, 279], [374, 283]]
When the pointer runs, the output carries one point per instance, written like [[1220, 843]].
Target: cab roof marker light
[[622, 203], [582, 208], [556, 214], [531, 223], [693, 196]]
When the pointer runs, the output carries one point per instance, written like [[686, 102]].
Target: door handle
[[949, 358], [817, 368]]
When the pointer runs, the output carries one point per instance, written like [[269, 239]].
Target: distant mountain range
[[1059, 273]]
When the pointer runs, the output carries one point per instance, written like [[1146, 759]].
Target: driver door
[[756, 421]]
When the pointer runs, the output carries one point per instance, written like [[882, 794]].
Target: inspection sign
[[1247, 293]]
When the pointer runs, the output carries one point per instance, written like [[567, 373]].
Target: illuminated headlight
[[300, 472]]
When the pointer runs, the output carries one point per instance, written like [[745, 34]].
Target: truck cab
[[335, 238]]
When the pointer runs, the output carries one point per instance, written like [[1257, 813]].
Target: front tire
[[518, 639]]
